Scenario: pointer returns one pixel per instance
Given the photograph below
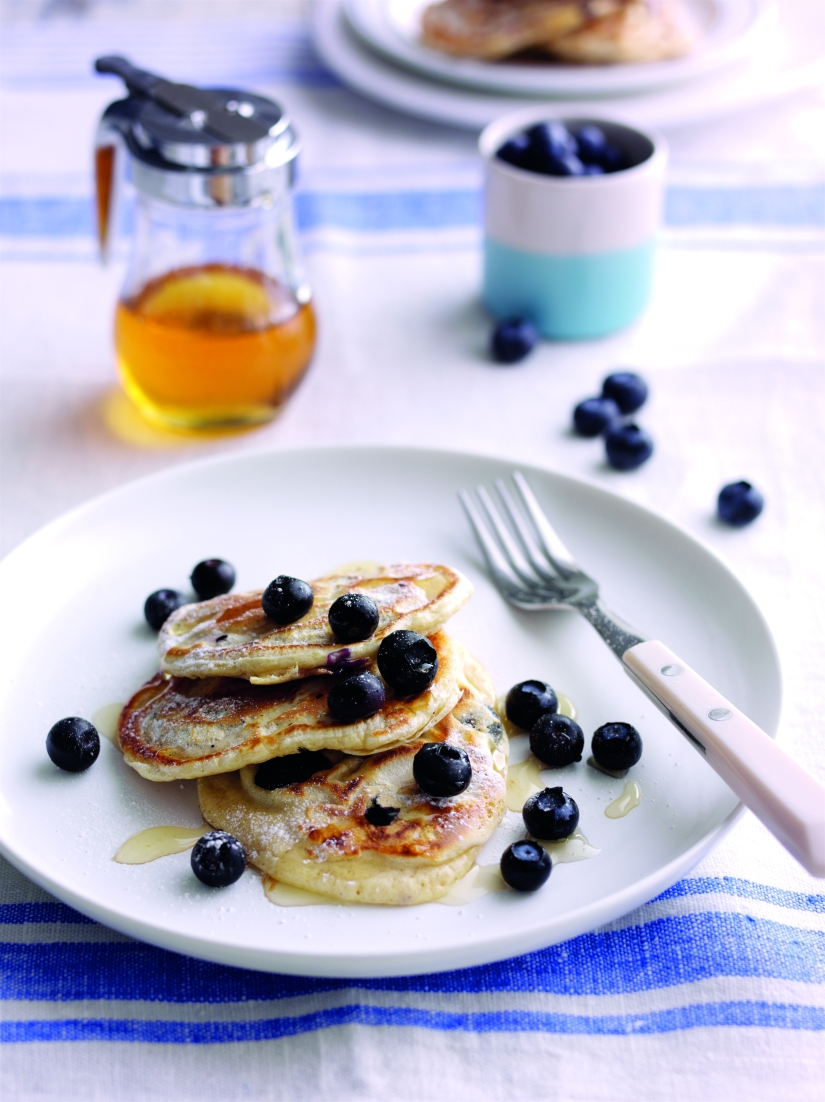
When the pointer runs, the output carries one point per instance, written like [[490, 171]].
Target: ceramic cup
[[573, 253]]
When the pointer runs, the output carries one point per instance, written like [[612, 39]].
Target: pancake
[[230, 636], [640, 32], [474, 676], [493, 29], [315, 835], [183, 727]]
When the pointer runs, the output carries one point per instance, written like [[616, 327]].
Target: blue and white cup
[[574, 254]]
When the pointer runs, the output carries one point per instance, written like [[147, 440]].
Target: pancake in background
[[493, 29], [315, 834], [231, 636], [181, 727], [639, 32], [587, 32]]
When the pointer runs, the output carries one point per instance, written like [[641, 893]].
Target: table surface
[[733, 346]]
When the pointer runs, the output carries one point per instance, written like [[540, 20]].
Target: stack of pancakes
[[236, 690], [590, 32]]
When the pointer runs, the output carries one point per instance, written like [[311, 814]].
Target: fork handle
[[779, 792]]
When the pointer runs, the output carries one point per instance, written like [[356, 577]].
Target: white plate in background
[[393, 28], [75, 641], [790, 58]]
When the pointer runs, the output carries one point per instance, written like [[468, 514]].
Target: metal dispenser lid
[[182, 140], [201, 146]]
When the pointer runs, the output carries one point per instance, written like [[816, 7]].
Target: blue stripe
[[796, 206], [760, 1014], [746, 889], [754, 206], [391, 210], [658, 954], [15, 914], [45, 217]]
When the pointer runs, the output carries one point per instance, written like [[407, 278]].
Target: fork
[[534, 571]]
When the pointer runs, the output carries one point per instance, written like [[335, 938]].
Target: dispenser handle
[[139, 81], [109, 149]]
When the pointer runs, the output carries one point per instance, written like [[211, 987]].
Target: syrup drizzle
[[618, 773], [155, 842], [523, 778], [631, 797], [105, 720], [522, 782], [574, 848], [483, 879], [480, 880], [285, 895], [566, 706]]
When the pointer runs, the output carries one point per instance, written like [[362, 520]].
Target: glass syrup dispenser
[[215, 326]]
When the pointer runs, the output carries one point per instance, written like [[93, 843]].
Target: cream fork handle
[[779, 792]]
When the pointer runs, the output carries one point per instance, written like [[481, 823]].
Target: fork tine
[[553, 547], [503, 576], [538, 560], [512, 553]]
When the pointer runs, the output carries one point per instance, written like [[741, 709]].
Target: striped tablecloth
[[715, 990]]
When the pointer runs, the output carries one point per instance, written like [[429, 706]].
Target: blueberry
[[353, 617], [594, 416], [557, 740], [218, 859], [341, 661], [442, 770], [611, 158], [212, 577], [160, 605], [356, 697], [525, 866], [551, 815], [616, 746], [512, 340], [627, 447], [593, 170], [73, 744], [379, 816], [628, 390], [739, 503], [290, 769], [515, 151], [408, 662], [597, 150], [527, 701], [590, 141], [568, 165], [549, 141], [286, 599]]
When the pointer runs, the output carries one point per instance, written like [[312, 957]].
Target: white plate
[[393, 27], [72, 597], [791, 57]]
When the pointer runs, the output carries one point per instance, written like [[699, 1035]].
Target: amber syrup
[[213, 346]]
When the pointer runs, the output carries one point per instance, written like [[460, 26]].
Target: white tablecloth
[[714, 991]]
